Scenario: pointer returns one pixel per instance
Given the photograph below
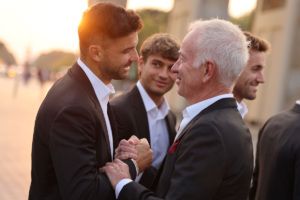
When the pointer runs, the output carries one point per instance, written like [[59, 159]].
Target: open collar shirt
[[102, 92]]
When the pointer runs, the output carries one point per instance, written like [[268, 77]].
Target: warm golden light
[[238, 8], [165, 5], [40, 25]]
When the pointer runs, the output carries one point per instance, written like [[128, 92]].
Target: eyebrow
[[128, 48], [157, 60]]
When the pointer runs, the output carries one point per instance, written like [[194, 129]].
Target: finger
[[126, 155], [123, 142], [144, 141], [133, 140]]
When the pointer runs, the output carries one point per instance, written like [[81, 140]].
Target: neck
[[208, 93], [158, 100], [238, 98], [94, 67]]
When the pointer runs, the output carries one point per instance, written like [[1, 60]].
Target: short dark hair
[[256, 43], [106, 20], [161, 44]]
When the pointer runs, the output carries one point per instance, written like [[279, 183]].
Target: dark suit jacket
[[277, 171], [70, 143], [131, 118], [212, 159]]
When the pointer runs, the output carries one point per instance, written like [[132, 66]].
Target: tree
[[55, 61], [6, 56]]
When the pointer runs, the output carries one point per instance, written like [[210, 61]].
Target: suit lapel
[[170, 122], [141, 116], [220, 104], [80, 76], [113, 124]]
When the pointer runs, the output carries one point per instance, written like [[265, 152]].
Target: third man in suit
[[277, 167]]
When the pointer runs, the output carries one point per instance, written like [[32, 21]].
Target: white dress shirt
[[242, 108], [298, 102], [102, 92], [191, 111], [159, 136]]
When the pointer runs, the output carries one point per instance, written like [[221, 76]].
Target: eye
[[125, 51], [156, 64], [257, 68]]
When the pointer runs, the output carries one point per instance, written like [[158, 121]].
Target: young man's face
[[251, 76], [156, 75], [117, 56]]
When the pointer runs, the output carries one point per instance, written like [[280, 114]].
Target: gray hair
[[223, 43]]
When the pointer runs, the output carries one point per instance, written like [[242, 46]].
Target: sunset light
[[238, 8], [164, 5], [40, 25]]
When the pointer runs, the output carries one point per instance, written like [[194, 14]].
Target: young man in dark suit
[[277, 167], [74, 132], [212, 156], [143, 111]]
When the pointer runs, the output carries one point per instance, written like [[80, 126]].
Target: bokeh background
[[38, 43]]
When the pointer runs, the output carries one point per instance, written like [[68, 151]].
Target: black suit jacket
[[277, 170], [70, 143], [131, 118], [212, 159]]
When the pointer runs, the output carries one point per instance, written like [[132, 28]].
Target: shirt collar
[[192, 110], [102, 91], [149, 103], [242, 108], [298, 102]]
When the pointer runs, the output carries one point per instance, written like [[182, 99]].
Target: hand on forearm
[[116, 171]]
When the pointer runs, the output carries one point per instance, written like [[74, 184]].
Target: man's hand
[[127, 149], [116, 171], [136, 149], [144, 154]]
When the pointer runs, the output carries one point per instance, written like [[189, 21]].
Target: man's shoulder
[[126, 98]]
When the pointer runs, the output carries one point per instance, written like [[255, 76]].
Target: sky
[[31, 27]]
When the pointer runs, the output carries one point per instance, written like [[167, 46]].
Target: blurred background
[[38, 43]]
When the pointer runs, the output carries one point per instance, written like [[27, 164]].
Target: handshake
[[136, 149]]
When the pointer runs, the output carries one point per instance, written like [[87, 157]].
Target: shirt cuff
[[138, 177], [120, 186]]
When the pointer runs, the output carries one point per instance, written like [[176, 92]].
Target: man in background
[[144, 111], [252, 74], [277, 167]]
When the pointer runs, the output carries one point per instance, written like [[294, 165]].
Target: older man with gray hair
[[212, 156]]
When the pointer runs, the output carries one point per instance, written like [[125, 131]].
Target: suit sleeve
[[255, 175], [296, 188], [198, 169], [72, 147]]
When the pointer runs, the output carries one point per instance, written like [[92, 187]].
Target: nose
[[134, 55], [164, 72], [260, 78], [174, 68]]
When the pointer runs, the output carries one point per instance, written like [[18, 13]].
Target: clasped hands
[[133, 148]]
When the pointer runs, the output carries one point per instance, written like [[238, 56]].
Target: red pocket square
[[173, 147]]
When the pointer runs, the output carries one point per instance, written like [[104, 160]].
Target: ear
[[141, 64], [209, 70], [95, 52]]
